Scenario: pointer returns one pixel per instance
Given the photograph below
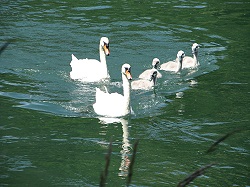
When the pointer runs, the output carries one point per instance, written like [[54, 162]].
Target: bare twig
[[104, 174], [5, 45], [191, 177], [130, 170], [213, 147]]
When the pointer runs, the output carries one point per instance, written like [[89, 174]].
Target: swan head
[[156, 63], [195, 48], [104, 43], [126, 70], [180, 55]]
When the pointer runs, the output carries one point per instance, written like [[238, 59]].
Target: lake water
[[49, 133]]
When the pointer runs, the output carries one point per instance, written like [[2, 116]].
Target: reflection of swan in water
[[125, 161], [125, 150]]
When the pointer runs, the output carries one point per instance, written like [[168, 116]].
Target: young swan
[[176, 65], [146, 73], [114, 104], [191, 62], [91, 70], [144, 84]]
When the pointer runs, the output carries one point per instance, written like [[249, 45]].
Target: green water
[[49, 133]]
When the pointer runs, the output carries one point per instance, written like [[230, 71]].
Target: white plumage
[[114, 104], [191, 62], [146, 84], [146, 73], [174, 65], [91, 70]]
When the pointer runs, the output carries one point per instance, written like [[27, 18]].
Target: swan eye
[[127, 69], [106, 44]]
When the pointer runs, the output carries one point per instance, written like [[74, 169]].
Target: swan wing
[[169, 66], [141, 85], [87, 69], [159, 75], [146, 74], [188, 62]]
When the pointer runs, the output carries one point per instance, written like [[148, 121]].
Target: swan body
[[114, 104], [191, 62], [146, 73], [91, 70], [144, 84], [176, 65]]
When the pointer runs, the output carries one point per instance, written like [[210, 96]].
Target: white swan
[[91, 70], [191, 62], [114, 104], [146, 73], [144, 84], [174, 65]]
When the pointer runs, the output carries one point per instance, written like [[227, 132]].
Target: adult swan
[[114, 104], [91, 70]]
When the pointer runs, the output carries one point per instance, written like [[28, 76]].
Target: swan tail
[[100, 96], [106, 89], [73, 57]]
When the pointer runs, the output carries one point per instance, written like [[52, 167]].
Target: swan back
[[146, 84]]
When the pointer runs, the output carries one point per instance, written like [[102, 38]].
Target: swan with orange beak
[[92, 70], [114, 104]]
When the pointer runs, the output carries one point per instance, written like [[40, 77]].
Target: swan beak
[[106, 50], [128, 74]]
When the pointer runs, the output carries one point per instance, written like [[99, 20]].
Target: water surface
[[50, 134]]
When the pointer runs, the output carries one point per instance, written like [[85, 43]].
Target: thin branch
[[104, 174], [213, 147], [194, 175], [5, 45]]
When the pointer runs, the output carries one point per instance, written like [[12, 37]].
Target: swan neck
[[102, 55], [154, 81], [126, 92], [179, 62], [195, 57], [103, 58]]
